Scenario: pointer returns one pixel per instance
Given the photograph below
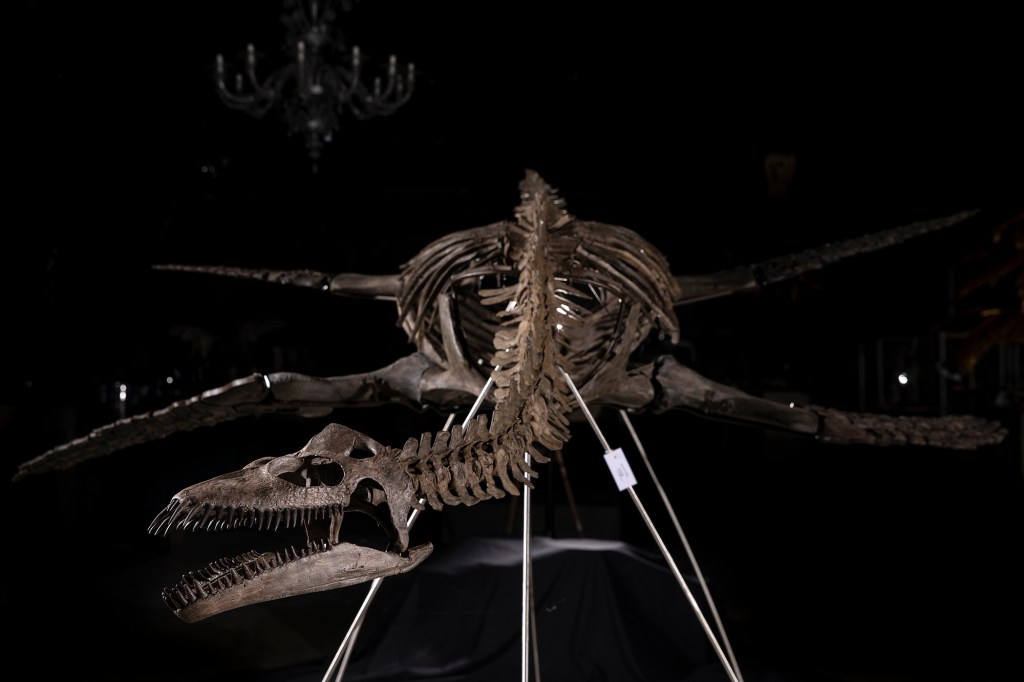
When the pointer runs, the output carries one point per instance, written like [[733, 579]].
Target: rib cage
[[608, 287], [551, 294], [463, 467]]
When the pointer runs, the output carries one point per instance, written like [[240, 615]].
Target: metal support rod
[[686, 544], [533, 630], [526, 577], [348, 643], [340, 660], [657, 538]]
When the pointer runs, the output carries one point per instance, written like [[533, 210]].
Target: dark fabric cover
[[605, 611]]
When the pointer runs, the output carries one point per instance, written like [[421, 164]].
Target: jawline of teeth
[[226, 573], [215, 517]]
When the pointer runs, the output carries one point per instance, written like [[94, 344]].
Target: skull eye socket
[[326, 473]]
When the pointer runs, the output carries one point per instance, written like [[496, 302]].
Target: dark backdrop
[[875, 564]]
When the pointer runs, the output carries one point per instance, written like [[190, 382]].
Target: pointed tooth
[[174, 598], [191, 515], [170, 599], [154, 525], [210, 510]]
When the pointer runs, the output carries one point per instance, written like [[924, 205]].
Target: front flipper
[[257, 394], [680, 387]]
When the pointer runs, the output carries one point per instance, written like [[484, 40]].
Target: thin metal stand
[[657, 538], [686, 544], [339, 663], [527, 575]]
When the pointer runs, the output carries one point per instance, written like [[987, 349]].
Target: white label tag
[[617, 464]]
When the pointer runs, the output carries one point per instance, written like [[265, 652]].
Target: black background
[[891, 564]]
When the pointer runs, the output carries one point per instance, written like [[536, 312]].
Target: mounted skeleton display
[[518, 302]]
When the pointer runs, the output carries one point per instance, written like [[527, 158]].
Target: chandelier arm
[[356, 73], [398, 85], [360, 103], [269, 90], [341, 83], [231, 99], [382, 96], [250, 72], [365, 103], [263, 96], [273, 87]]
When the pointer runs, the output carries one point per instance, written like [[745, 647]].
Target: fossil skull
[[339, 470]]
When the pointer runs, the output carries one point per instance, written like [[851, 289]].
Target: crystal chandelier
[[323, 81]]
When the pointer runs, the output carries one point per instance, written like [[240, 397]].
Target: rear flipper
[[680, 387]]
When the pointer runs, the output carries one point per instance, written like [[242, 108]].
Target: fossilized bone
[[520, 302]]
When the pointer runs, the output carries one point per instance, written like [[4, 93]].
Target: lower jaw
[[342, 565]]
